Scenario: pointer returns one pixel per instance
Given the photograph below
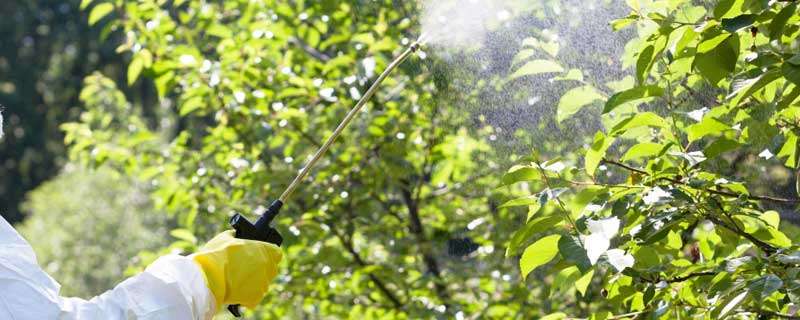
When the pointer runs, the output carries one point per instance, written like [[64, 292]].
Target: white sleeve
[[173, 287]]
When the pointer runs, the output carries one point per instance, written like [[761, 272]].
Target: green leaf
[[573, 100], [220, 31], [596, 152], [642, 150], [719, 147], [530, 229], [99, 12], [621, 23], [647, 58], [738, 23], [134, 69], [191, 105], [728, 8], [85, 4], [743, 89], [763, 287], [791, 72], [523, 201], [643, 119], [630, 95], [571, 75], [772, 218], [555, 316], [778, 23], [521, 173], [708, 126], [534, 67], [522, 55], [716, 57], [644, 63], [539, 253], [565, 279], [571, 249], [789, 150], [729, 305], [583, 283]]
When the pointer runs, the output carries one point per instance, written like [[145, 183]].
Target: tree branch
[[713, 191], [360, 261], [416, 228]]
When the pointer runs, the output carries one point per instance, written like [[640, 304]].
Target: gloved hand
[[238, 271]]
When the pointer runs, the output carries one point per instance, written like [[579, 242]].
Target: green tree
[[88, 227], [47, 49], [649, 220]]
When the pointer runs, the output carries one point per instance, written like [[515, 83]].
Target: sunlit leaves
[[642, 150], [573, 100], [709, 126], [596, 152], [716, 56], [778, 23], [538, 254], [99, 12], [535, 67], [631, 95], [533, 227], [643, 119]]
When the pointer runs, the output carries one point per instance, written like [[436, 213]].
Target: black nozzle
[[261, 230]]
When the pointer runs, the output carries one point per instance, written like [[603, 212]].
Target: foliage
[[46, 50], [649, 215], [86, 227], [399, 220]]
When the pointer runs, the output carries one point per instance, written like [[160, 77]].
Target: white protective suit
[[173, 287]]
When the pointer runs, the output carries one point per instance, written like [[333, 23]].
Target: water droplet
[[325, 18], [215, 80], [401, 136], [239, 96], [303, 16], [187, 60], [288, 159], [344, 194], [475, 223], [152, 24], [283, 123], [354, 93], [206, 66], [277, 106], [369, 66], [327, 94]]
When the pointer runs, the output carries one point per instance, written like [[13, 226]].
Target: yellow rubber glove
[[238, 271]]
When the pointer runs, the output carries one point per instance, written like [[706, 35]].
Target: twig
[[689, 276], [714, 191]]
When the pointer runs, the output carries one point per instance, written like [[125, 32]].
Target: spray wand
[[261, 230]]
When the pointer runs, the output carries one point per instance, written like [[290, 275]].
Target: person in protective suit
[[224, 271]]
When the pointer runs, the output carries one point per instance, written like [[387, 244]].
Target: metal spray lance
[[261, 230]]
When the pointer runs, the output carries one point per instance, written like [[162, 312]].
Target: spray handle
[[260, 231]]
